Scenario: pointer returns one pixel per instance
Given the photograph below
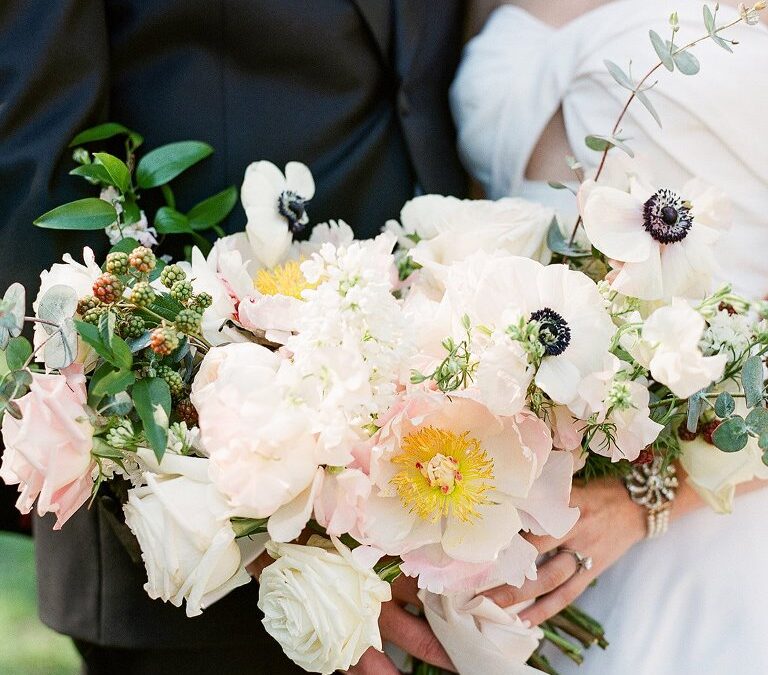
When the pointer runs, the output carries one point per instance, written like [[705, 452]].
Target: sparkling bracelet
[[653, 486]]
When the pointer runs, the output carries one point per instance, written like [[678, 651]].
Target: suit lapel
[[412, 18], [378, 16]]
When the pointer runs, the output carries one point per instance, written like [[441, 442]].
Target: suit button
[[403, 104]]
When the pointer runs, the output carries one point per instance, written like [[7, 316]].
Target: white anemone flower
[[660, 242], [275, 205]]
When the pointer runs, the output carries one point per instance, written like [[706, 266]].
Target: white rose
[[714, 474], [320, 605], [186, 539], [446, 230]]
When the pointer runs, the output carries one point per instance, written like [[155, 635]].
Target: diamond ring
[[582, 562]]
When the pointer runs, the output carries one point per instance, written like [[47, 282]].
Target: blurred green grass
[[27, 647]]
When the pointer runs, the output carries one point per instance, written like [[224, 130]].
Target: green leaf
[[557, 243], [152, 399], [762, 442], [110, 383], [166, 306], [131, 212], [603, 143], [104, 450], [170, 221], [709, 20], [94, 172], [757, 421], [731, 435], [101, 132], [124, 245], [107, 323], [557, 185], [643, 98], [619, 75], [17, 352], [695, 405], [662, 48], [686, 63], [118, 172], [725, 405], [166, 162], [752, 381], [244, 527], [15, 384], [721, 43], [85, 214], [213, 210], [121, 354], [91, 336], [12, 309]]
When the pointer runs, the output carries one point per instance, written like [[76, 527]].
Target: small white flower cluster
[[728, 333]]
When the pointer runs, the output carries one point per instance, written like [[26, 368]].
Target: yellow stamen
[[286, 279], [443, 474]]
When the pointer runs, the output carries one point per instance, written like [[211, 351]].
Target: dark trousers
[[240, 660]]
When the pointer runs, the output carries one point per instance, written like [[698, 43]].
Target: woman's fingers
[[373, 662], [544, 544], [553, 573], [549, 605], [405, 591], [413, 635]]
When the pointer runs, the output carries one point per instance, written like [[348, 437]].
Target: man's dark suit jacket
[[357, 89]]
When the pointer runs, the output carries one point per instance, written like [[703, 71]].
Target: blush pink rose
[[48, 451]]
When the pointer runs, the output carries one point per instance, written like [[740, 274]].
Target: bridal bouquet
[[409, 405]]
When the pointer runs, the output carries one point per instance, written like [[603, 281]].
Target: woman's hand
[[609, 525]]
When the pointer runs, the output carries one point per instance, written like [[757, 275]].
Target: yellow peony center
[[443, 474], [286, 279]]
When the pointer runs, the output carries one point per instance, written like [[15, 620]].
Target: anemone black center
[[292, 207], [554, 332], [667, 217]]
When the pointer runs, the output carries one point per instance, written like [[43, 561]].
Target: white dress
[[695, 601]]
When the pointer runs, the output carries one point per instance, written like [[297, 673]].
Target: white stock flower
[[320, 605], [661, 242], [140, 230], [729, 334], [674, 332], [186, 539], [275, 207]]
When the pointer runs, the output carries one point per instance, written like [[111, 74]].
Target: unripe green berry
[[117, 263], [203, 300], [131, 326], [86, 303], [142, 259], [93, 315], [174, 380], [188, 321], [142, 294], [171, 274], [165, 340], [181, 291]]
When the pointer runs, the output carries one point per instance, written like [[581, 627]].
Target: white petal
[[298, 177], [482, 540], [559, 378], [269, 235], [613, 221], [642, 279], [288, 521], [262, 184]]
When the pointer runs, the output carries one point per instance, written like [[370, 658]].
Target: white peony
[[186, 539], [661, 242], [674, 332], [320, 605]]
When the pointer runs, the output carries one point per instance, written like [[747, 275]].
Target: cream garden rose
[[321, 605], [186, 539]]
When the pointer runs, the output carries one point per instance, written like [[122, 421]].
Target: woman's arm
[[610, 524]]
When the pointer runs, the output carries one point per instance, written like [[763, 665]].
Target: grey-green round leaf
[[725, 405], [686, 63], [731, 435], [58, 303], [61, 348], [12, 309], [757, 421]]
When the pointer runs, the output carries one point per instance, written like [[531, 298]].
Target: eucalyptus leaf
[[152, 399], [85, 214], [17, 352], [120, 404], [213, 210], [663, 50], [731, 435], [59, 302], [118, 172], [725, 405], [15, 384], [603, 143], [643, 98], [557, 243], [166, 162], [709, 20], [762, 442], [60, 349], [101, 132], [757, 421], [12, 309], [752, 381], [695, 405], [686, 63], [721, 43], [619, 75], [556, 185]]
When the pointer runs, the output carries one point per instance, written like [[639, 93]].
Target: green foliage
[[732, 435], [166, 162], [18, 351], [102, 132], [725, 405], [603, 143], [663, 49], [91, 213], [118, 172], [12, 308], [558, 244], [212, 211], [152, 399], [752, 381]]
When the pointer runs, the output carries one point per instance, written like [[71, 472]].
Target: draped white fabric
[[695, 600], [518, 71]]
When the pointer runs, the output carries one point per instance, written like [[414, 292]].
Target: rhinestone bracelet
[[653, 486]]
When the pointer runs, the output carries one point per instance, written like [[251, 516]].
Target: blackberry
[[117, 263], [142, 294], [164, 341], [181, 291], [142, 259], [131, 326], [86, 303], [188, 321], [108, 288], [174, 380], [186, 412], [202, 301], [171, 274], [93, 315]]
